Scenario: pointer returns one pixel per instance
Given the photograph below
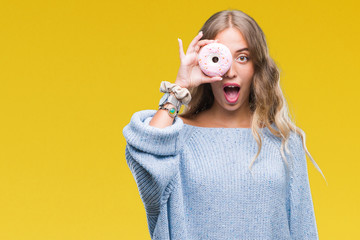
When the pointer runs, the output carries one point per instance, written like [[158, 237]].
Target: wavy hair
[[266, 100]]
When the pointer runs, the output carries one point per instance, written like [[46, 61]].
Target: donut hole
[[215, 59]]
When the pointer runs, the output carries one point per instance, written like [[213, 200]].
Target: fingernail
[[221, 78], [200, 32]]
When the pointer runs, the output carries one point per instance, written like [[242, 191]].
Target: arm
[[161, 119], [153, 156], [302, 216]]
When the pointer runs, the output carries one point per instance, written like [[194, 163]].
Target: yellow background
[[72, 73]]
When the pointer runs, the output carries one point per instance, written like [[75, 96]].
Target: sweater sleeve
[[153, 156], [302, 216]]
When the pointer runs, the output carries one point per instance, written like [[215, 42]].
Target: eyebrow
[[243, 49]]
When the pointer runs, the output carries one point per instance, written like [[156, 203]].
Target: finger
[[181, 50], [203, 42], [195, 40], [210, 79], [206, 41]]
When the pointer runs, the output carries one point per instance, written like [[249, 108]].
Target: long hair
[[266, 100]]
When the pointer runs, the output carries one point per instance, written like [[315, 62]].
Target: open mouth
[[231, 93]]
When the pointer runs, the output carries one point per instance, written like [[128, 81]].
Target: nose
[[231, 72]]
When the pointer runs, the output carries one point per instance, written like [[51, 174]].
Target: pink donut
[[214, 59]]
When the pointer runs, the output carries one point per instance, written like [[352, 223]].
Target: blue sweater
[[195, 182]]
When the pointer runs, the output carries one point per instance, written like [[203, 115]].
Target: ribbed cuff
[[159, 141]]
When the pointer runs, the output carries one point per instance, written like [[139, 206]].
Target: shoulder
[[187, 129], [296, 140], [199, 120], [188, 121], [297, 152]]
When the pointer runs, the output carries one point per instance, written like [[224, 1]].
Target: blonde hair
[[266, 99]]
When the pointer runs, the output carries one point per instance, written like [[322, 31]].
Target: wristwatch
[[169, 98]]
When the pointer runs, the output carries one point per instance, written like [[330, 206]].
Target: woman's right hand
[[190, 74]]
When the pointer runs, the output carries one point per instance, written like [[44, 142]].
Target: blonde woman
[[233, 164]]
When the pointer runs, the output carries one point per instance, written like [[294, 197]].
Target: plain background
[[72, 73]]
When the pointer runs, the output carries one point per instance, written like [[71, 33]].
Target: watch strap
[[172, 111]]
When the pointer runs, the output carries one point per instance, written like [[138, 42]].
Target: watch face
[[172, 112], [163, 99]]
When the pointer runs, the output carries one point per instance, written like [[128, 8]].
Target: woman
[[192, 169]]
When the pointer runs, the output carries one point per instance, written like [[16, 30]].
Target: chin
[[231, 107]]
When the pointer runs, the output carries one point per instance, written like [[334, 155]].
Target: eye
[[243, 58]]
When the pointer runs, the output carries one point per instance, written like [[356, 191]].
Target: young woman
[[196, 172]]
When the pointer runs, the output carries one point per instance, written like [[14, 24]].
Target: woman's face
[[240, 73]]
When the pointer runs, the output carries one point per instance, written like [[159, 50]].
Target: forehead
[[232, 38]]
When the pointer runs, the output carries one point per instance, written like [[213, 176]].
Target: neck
[[240, 118]]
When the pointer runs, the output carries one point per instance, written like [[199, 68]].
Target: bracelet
[[181, 94]]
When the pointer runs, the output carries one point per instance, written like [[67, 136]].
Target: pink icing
[[207, 59]]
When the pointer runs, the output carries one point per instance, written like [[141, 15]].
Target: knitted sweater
[[195, 182]]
